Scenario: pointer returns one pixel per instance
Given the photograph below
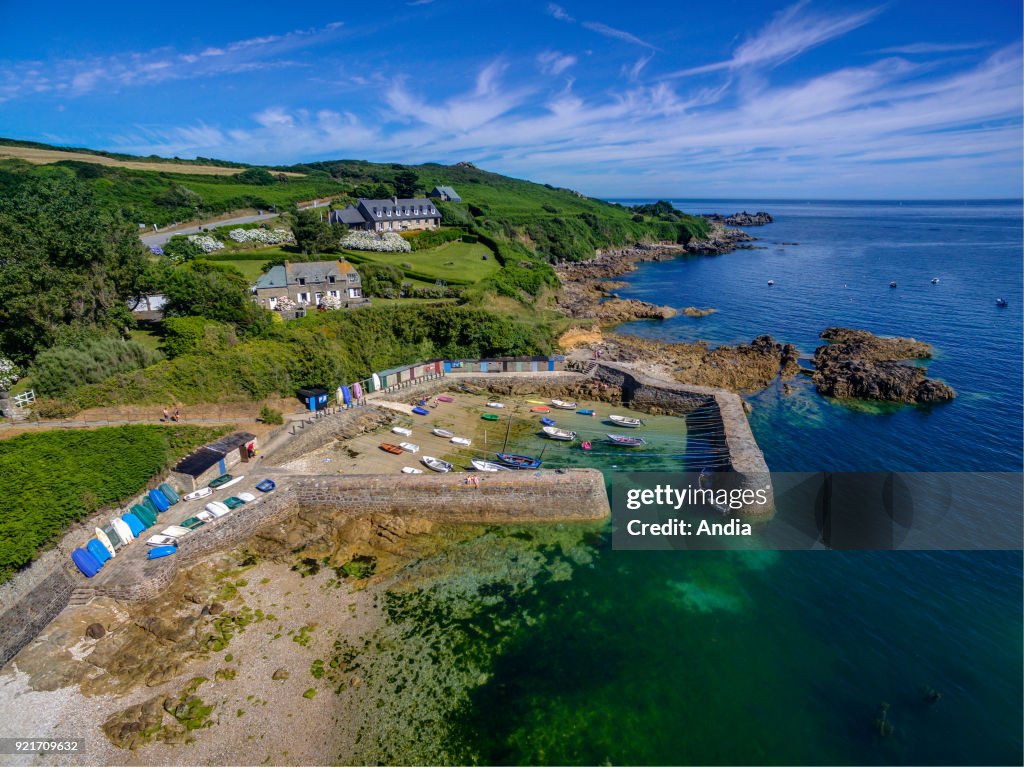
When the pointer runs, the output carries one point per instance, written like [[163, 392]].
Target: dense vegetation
[[57, 371], [52, 479], [323, 349]]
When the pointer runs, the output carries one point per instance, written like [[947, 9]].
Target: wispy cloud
[[919, 48], [618, 34], [554, 9], [554, 63], [788, 34], [77, 77]]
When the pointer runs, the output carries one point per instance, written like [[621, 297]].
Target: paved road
[[159, 238]]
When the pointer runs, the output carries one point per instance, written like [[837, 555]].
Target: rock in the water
[[95, 631], [859, 365], [693, 311], [740, 219]]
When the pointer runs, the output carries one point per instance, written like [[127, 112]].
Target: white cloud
[[559, 12], [554, 63], [917, 48], [618, 34]]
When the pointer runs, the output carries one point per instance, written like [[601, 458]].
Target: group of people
[[169, 416]]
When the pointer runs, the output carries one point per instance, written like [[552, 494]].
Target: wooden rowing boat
[[436, 464], [482, 465], [561, 404], [489, 417], [517, 461], [439, 432], [464, 441], [562, 434], [622, 441], [540, 409], [629, 423], [387, 447]]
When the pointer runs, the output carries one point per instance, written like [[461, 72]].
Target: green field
[[250, 269], [455, 262], [52, 479]]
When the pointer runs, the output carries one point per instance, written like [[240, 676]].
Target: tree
[[406, 182], [215, 291], [257, 176], [315, 236], [64, 261]]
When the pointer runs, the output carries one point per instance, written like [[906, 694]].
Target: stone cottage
[[309, 284]]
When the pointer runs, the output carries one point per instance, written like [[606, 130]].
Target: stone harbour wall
[[32, 606]]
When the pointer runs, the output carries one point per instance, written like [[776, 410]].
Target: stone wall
[[309, 436], [30, 601]]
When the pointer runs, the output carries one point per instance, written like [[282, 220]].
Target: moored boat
[[266, 486], [517, 461], [230, 481], [496, 404], [420, 410], [464, 441], [545, 421], [217, 508], [387, 447], [561, 404], [445, 398], [401, 430], [161, 540], [489, 417], [409, 447], [436, 464], [585, 411], [623, 441], [197, 494], [161, 551], [481, 465], [411, 470], [103, 539], [1001, 302], [553, 432], [629, 423], [540, 409], [439, 432]]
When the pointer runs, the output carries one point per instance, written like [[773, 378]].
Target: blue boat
[[159, 500], [161, 551], [98, 550], [420, 411], [266, 486], [547, 421], [585, 411], [86, 562], [519, 461], [134, 524]]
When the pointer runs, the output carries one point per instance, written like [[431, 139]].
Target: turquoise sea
[[788, 657]]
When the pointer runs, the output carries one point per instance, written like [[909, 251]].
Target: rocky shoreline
[[740, 219]]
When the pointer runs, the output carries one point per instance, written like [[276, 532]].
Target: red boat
[[445, 398], [387, 447]]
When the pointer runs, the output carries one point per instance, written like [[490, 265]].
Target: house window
[[355, 293], [302, 280], [334, 294], [330, 279], [273, 302], [303, 298]]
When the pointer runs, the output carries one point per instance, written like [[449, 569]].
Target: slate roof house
[[310, 284], [394, 215], [445, 193]]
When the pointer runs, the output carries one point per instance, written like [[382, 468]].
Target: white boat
[[230, 482], [436, 464], [411, 470], [161, 540], [464, 441], [439, 432], [409, 447], [622, 420], [206, 516], [122, 529], [217, 508], [495, 404], [197, 494], [555, 433], [624, 441], [561, 404], [935, 280], [401, 430], [482, 465], [247, 497], [771, 282], [102, 538], [175, 531]]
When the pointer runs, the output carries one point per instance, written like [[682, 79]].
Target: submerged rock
[[856, 364]]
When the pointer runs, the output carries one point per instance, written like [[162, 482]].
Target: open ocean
[[786, 658]]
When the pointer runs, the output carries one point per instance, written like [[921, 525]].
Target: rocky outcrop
[[721, 239], [856, 364], [693, 311], [740, 219]]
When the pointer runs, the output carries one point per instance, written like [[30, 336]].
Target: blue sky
[[859, 99]]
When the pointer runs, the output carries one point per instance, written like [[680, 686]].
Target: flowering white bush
[[285, 304], [388, 242], [207, 243], [262, 236], [9, 374], [330, 302]]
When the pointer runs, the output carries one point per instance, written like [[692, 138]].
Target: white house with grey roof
[[445, 193], [393, 215], [309, 285]]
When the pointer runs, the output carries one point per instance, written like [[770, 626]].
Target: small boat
[[217, 508], [540, 409], [622, 441], [222, 480], [115, 540], [445, 398], [401, 430], [411, 470], [935, 280], [135, 524], [420, 411], [436, 464], [481, 465], [247, 497], [585, 411], [561, 404], [621, 420], [771, 282], [464, 441], [439, 432], [205, 515], [200, 493], [545, 421], [230, 482], [175, 531], [124, 532], [387, 447], [562, 434], [161, 540], [409, 447], [102, 538], [193, 522], [161, 551], [489, 417], [536, 402], [86, 562], [1001, 302], [519, 461], [892, 284], [495, 404], [266, 486], [98, 550], [159, 499], [169, 493]]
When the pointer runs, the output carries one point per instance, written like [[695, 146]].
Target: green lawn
[[250, 269], [453, 261]]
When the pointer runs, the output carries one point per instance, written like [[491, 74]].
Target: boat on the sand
[[562, 404], [553, 432], [436, 464], [387, 447], [439, 432], [517, 461], [621, 420], [624, 441], [481, 465]]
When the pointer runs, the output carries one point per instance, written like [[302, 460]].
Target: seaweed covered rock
[[857, 364]]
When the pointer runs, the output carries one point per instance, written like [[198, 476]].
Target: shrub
[[467, 237], [205, 242], [9, 374], [185, 335], [261, 236], [271, 415], [432, 238], [56, 371], [388, 242]]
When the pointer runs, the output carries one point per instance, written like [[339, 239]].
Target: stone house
[[445, 193], [393, 215], [309, 284]]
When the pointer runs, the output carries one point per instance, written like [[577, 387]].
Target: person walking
[[177, 414], [166, 416]]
